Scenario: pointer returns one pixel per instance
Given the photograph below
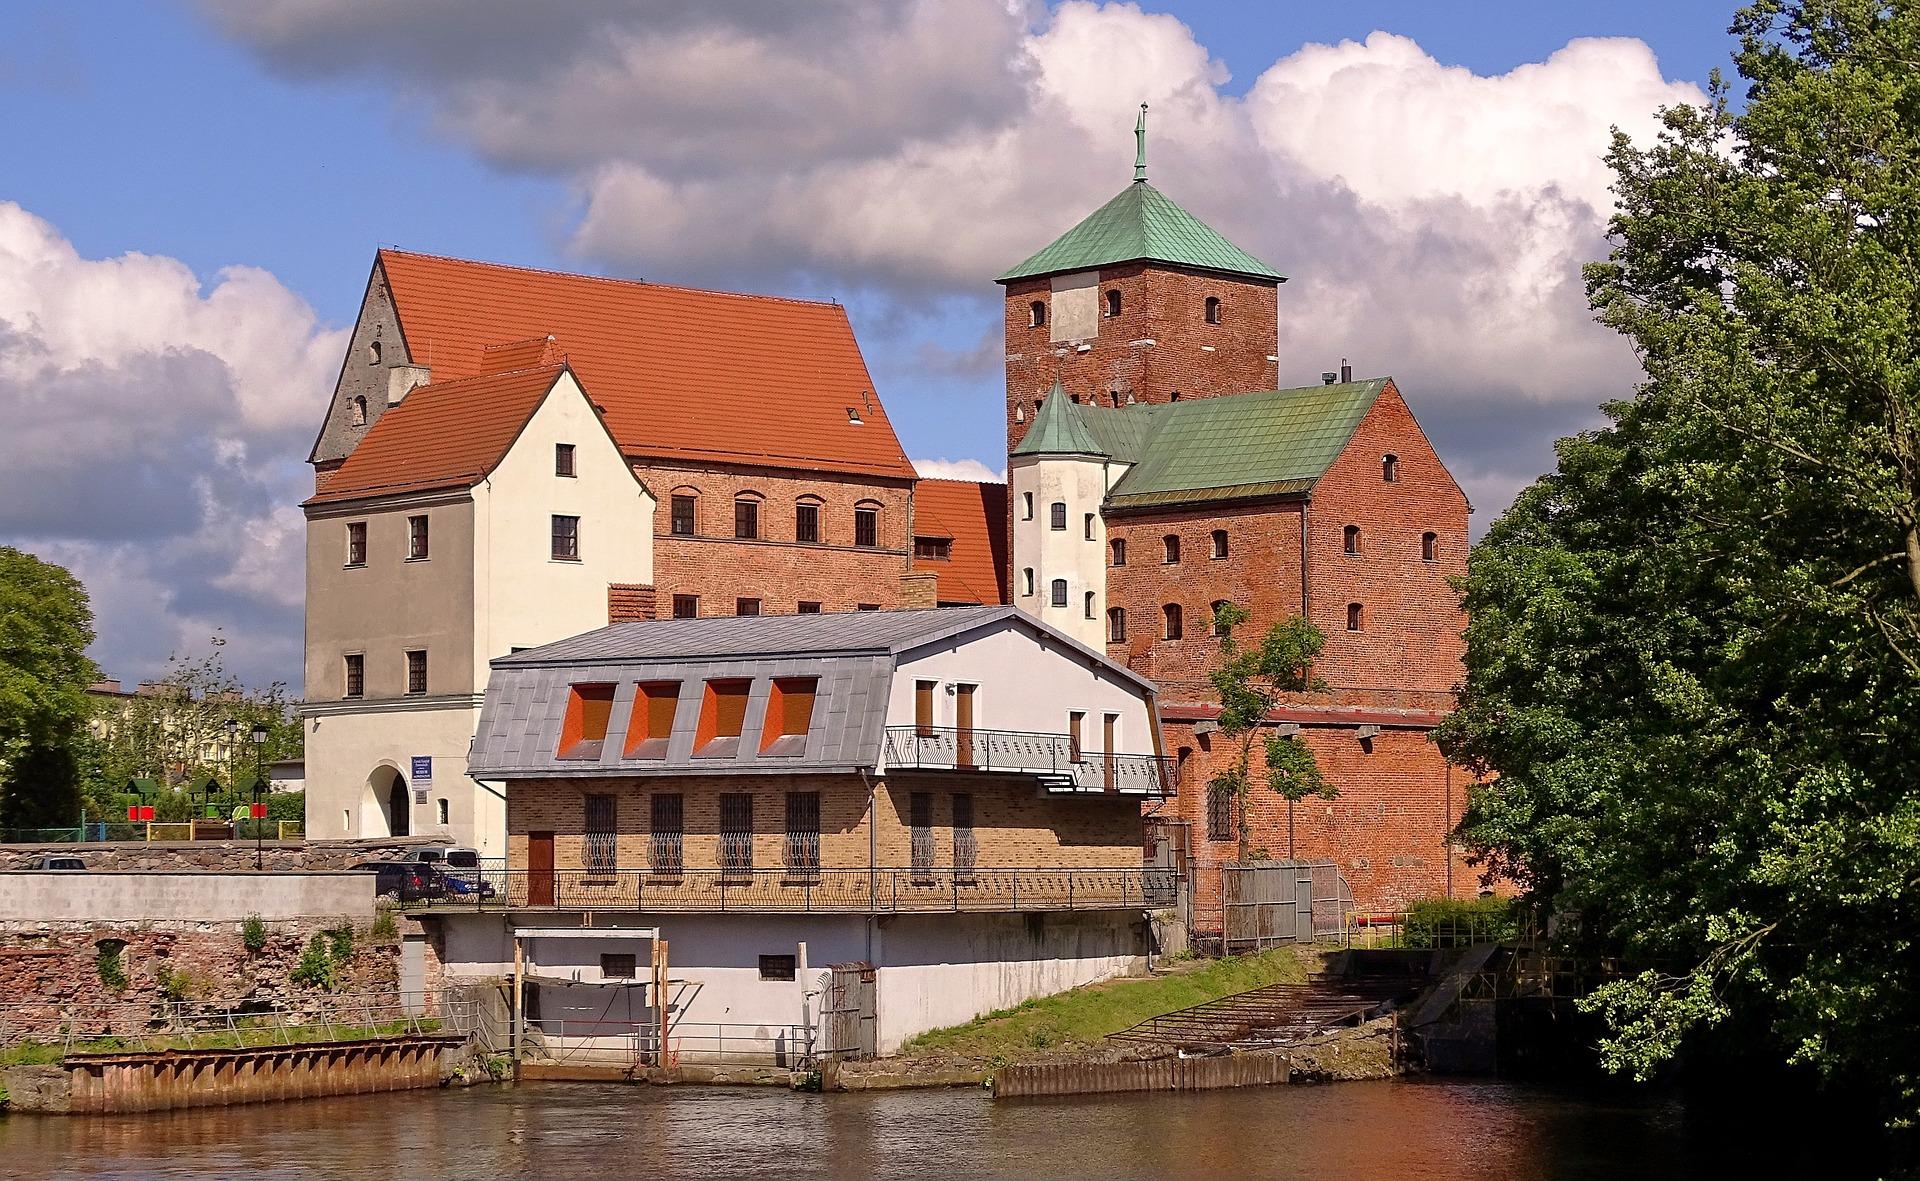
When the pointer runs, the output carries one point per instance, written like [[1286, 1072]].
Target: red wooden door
[[539, 869]]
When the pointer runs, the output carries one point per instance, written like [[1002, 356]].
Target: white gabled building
[[475, 518]]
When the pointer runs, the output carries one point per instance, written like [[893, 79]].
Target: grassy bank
[[1083, 1016], [32, 1053]]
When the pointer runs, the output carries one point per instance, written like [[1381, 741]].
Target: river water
[[1435, 1131]]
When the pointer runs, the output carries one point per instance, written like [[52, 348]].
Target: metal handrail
[[812, 890], [130, 1026], [949, 748]]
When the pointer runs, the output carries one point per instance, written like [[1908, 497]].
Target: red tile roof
[[975, 517], [680, 374], [449, 434]]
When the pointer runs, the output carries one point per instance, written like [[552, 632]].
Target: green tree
[[1250, 682], [46, 624], [1694, 649]]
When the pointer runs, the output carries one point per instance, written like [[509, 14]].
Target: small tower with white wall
[[1058, 476]]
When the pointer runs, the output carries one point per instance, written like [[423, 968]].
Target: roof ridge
[[613, 279], [555, 367]]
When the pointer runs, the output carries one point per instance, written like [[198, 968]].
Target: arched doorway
[[387, 790]]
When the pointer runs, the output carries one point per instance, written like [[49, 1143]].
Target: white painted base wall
[[934, 970]]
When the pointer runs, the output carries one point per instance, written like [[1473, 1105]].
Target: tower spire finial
[[1140, 146]]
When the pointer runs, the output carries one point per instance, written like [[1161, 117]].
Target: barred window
[[736, 832], [666, 841], [356, 675], [602, 811], [1220, 813], [920, 818], [803, 833], [966, 849], [417, 672]]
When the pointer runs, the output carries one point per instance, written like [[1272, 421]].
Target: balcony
[[1050, 758], [828, 891]]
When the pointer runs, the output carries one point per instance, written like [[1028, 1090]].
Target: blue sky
[[255, 134]]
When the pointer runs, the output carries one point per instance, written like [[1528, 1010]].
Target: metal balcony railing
[[804, 890], [1050, 757]]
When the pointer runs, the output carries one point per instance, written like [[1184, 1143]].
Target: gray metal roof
[[853, 657]]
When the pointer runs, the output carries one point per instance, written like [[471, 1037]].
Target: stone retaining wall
[[146, 896]]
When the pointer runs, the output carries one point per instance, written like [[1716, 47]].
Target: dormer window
[[789, 715], [1213, 309], [853, 415], [1113, 303], [722, 710], [1038, 311], [584, 730], [651, 723]]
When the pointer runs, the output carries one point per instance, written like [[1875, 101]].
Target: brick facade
[[629, 601], [1159, 347], [1387, 830], [1015, 826], [775, 568]]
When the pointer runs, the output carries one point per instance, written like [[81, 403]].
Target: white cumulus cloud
[[156, 429], [959, 469]]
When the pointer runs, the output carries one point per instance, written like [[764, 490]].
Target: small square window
[[777, 967], [686, 606], [620, 965], [746, 606], [807, 608], [563, 459], [867, 607]]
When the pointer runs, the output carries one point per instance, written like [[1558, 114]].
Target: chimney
[[401, 380], [1346, 370]]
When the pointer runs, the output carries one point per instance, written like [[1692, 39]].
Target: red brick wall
[[776, 569], [1165, 305], [1409, 651], [1386, 831], [627, 601], [1261, 572]]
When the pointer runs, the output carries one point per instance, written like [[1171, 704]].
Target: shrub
[[1457, 922], [316, 966], [340, 942], [108, 965], [253, 933], [385, 927]]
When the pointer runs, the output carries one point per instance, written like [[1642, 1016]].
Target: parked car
[[452, 858], [459, 868], [465, 885], [406, 881], [50, 861]]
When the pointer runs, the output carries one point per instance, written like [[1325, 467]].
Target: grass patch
[[1083, 1016], [251, 1034]]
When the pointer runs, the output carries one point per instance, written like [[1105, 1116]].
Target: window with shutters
[[966, 849], [599, 851], [803, 833], [667, 838], [920, 819], [736, 833], [650, 726]]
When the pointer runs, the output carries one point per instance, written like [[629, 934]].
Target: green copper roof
[[1272, 443], [1057, 430], [1141, 223]]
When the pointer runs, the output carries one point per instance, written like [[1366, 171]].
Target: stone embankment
[[218, 856]]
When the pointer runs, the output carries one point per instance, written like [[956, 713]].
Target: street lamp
[[259, 737]]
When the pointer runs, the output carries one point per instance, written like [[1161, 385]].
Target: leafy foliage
[[109, 964], [253, 934], [1694, 650], [317, 967], [1249, 683], [46, 624]]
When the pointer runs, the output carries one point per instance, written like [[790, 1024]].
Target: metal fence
[[1056, 758], [1267, 903], [70, 1027], [104, 831], [858, 891], [1439, 928]]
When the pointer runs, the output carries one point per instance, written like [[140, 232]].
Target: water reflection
[[1429, 1130]]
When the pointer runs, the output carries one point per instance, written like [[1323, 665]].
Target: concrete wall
[[137, 897], [935, 970]]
